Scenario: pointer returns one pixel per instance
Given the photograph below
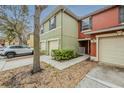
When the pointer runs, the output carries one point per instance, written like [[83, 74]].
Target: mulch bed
[[49, 77]]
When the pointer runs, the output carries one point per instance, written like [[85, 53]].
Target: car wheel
[[10, 55], [32, 52]]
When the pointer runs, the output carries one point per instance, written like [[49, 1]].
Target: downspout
[[62, 28]]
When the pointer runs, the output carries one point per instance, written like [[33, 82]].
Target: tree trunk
[[20, 40], [36, 61]]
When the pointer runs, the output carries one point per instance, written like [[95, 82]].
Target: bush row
[[62, 54]]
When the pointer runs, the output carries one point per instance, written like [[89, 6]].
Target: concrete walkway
[[47, 59], [64, 64], [103, 77]]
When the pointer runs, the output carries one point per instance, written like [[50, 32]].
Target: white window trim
[[83, 31], [52, 21]]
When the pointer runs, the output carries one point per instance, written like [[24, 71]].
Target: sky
[[79, 10]]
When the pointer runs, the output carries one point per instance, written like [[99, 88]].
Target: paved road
[[103, 77]]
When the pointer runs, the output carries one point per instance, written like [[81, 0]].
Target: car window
[[19, 46], [16, 47], [12, 47], [25, 46]]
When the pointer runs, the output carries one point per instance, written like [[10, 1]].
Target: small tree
[[36, 61], [17, 18]]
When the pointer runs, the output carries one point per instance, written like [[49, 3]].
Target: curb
[[108, 84], [18, 58]]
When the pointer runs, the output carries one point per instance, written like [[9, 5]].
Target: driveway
[[103, 77]]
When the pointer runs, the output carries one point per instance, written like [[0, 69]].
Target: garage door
[[53, 45], [43, 45], [111, 50]]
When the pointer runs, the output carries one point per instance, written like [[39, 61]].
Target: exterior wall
[[102, 20], [81, 35], [93, 49], [106, 19], [69, 32], [30, 42], [54, 34]]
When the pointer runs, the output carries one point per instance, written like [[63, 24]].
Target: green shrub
[[62, 54]]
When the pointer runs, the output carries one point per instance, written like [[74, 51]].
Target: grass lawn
[[49, 77]]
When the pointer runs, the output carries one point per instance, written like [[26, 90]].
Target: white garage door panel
[[54, 44], [43, 46], [111, 50]]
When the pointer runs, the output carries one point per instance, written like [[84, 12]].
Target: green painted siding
[[70, 33], [54, 33], [67, 33]]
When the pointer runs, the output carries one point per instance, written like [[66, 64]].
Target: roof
[[65, 9], [98, 11], [59, 8]]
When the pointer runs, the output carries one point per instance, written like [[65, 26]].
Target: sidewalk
[[47, 59]]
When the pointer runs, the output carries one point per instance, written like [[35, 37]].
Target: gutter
[[121, 27]]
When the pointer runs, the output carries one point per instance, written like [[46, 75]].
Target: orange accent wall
[[93, 49], [105, 19]]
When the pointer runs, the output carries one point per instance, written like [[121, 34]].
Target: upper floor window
[[52, 23], [86, 24], [42, 29], [122, 14]]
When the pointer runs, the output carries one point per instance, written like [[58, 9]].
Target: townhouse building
[[102, 34], [99, 34], [59, 30]]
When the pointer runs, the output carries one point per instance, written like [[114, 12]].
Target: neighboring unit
[[59, 31], [30, 41], [101, 33]]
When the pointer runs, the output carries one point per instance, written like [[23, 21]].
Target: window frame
[[42, 29], [89, 24], [52, 26], [121, 14]]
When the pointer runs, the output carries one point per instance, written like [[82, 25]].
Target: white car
[[13, 50], [1, 47]]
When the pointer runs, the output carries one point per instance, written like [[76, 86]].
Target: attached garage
[[43, 46], [111, 50], [53, 44]]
